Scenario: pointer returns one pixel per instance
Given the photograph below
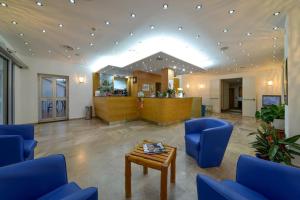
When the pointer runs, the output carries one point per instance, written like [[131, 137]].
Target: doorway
[[232, 95], [53, 97]]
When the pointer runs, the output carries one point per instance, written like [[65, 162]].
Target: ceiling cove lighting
[[3, 4], [171, 45]]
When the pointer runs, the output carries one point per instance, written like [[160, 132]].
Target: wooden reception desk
[[162, 111]]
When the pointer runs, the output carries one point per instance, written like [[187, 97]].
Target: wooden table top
[[155, 161]]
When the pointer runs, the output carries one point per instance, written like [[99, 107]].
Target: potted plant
[[272, 114], [271, 144], [171, 92]]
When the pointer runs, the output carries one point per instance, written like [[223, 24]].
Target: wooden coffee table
[[155, 161]]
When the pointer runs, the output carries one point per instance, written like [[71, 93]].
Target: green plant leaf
[[294, 152], [292, 139], [272, 152]]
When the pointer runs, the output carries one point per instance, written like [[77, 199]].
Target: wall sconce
[[81, 79], [270, 83], [201, 86]]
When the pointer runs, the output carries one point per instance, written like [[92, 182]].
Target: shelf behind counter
[[162, 111]]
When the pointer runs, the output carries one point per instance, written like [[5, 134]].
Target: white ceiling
[[254, 16]]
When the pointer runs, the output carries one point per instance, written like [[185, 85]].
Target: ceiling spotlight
[[275, 28], [26, 43], [116, 42], [276, 13], [72, 1], [92, 34], [180, 28], [225, 30], [91, 44], [240, 43], [198, 7], [231, 11], [3, 4], [174, 67], [21, 34], [249, 34], [131, 33], [49, 51], [274, 38], [14, 22], [39, 3], [132, 15], [29, 50], [78, 48], [107, 22], [60, 25], [165, 6], [219, 43], [44, 31], [152, 27]]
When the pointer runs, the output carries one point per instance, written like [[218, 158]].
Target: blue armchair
[[256, 179], [206, 140], [42, 179], [16, 143]]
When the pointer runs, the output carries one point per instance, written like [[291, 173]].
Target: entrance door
[[53, 98], [215, 93], [231, 97], [249, 96]]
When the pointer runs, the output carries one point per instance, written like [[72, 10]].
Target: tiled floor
[[95, 155]]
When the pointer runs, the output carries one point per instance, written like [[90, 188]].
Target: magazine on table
[[154, 148]]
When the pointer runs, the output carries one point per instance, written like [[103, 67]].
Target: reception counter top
[[162, 111]]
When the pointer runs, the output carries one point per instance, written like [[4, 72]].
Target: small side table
[[155, 161]]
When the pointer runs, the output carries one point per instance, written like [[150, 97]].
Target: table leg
[[127, 177], [173, 169], [164, 183], [145, 170]]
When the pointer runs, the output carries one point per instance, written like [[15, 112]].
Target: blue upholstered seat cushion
[[243, 191], [61, 192], [29, 146], [193, 144]]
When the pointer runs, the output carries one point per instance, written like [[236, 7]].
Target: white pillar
[[292, 52]]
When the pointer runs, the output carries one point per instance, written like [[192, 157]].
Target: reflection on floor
[[95, 155]]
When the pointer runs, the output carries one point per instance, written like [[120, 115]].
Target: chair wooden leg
[[145, 170], [127, 177], [173, 170], [164, 183]]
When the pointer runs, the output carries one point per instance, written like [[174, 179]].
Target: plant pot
[[262, 156], [278, 124]]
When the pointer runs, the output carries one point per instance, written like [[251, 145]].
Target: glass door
[[53, 98], [3, 90]]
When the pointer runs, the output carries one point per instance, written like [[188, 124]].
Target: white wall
[[262, 77], [26, 87]]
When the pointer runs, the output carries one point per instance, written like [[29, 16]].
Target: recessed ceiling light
[[49, 51], [174, 67], [72, 1], [152, 27], [14, 22], [199, 6], [78, 48], [219, 43], [116, 42], [276, 13], [275, 38], [249, 34], [92, 34], [165, 6], [107, 22], [231, 11], [132, 15], [26, 43], [21, 34], [275, 28], [91, 44], [183, 70], [39, 3], [44, 31], [240, 43], [60, 25], [225, 30], [131, 33], [29, 50], [198, 36], [180, 28], [3, 4]]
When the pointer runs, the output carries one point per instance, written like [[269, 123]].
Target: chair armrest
[[208, 188], [32, 179], [11, 149], [90, 193], [193, 126], [273, 180], [26, 131]]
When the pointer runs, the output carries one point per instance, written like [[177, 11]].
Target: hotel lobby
[[147, 100]]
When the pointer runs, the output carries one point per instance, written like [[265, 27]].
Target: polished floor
[[95, 155]]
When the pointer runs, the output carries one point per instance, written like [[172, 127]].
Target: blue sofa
[[206, 140], [41, 179], [16, 143], [256, 179]]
